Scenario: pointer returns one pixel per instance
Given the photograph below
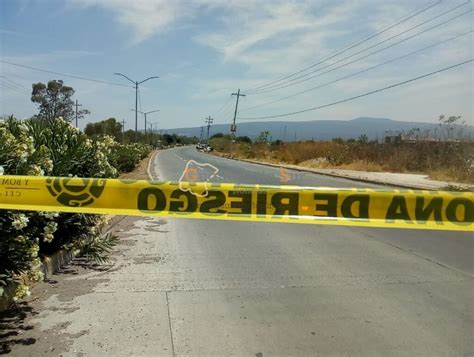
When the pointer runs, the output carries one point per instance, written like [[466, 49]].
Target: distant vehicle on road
[[204, 147]]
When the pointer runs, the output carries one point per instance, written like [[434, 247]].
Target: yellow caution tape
[[260, 203]]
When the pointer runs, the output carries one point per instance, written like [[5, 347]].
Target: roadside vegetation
[[450, 157], [49, 145]]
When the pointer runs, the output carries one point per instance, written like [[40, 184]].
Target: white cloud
[[261, 40], [144, 17], [273, 37]]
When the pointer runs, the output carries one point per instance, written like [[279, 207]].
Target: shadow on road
[[12, 326]]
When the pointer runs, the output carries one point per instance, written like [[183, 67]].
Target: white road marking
[[152, 159]]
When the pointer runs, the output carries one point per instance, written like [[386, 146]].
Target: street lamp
[[136, 83], [145, 114], [154, 127]]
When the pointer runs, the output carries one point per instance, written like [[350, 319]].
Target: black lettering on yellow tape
[[292, 204]]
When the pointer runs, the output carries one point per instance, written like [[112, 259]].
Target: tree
[[452, 127], [105, 127], [363, 139], [243, 139], [263, 137], [129, 136], [168, 139], [55, 100]]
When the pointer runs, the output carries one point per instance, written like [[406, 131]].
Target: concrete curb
[[150, 160], [7, 298], [50, 265]]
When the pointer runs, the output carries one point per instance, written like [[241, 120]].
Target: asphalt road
[[269, 288], [218, 288]]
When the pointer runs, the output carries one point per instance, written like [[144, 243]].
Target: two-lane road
[[271, 288]]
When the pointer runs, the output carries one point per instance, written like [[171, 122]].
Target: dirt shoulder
[[405, 180], [141, 171], [41, 325]]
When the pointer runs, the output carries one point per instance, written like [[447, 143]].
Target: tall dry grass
[[446, 160]]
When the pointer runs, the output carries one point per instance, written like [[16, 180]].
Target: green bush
[[125, 157], [53, 148]]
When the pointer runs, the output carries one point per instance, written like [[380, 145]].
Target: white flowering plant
[[125, 157], [54, 148]]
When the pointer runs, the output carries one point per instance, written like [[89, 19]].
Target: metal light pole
[[145, 114], [136, 83], [155, 124]]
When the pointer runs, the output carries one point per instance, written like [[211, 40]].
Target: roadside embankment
[[403, 180]]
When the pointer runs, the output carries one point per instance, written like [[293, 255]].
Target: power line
[[227, 113], [12, 88], [362, 95], [64, 74], [18, 85], [223, 106], [417, 12], [356, 73], [209, 121], [302, 78], [365, 56]]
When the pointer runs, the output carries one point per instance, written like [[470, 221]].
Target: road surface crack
[[169, 323]]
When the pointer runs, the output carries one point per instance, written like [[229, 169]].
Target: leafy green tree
[[168, 139], [55, 100], [129, 136], [217, 135], [105, 127], [243, 139]]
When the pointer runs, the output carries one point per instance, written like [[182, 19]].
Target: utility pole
[[209, 121], [77, 105], [233, 127], [136, 83], [123, 131], [202, 133]]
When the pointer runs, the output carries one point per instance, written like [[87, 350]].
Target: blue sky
[[203, 50]]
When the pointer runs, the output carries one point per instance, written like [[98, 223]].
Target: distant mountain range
[[317, 129]]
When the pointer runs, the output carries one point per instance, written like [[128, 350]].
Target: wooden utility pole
[[233, 127], [202, 133], [209, 121]]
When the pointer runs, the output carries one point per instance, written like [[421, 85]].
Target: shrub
[[125, 157], [55, 148]]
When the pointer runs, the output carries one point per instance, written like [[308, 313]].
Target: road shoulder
[[401, 180]]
